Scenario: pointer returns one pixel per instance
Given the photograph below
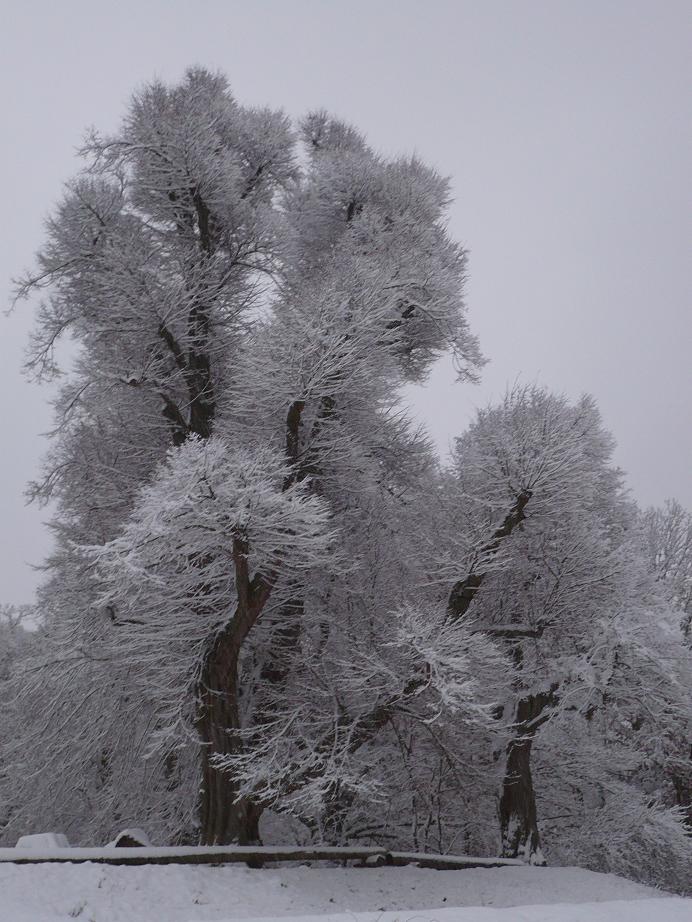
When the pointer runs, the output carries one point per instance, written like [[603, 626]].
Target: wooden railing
[[255, 856]]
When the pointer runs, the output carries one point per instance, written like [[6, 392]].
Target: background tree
[[668, 546], [668, 536], [565, 587]]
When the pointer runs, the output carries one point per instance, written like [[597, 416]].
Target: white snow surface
[[43, 841], [194, 893]]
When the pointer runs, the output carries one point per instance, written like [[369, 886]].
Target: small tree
[[535, 466], [668, 546], [667, 536], [564, 586]]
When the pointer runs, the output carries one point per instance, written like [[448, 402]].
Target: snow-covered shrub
[[632, 836]]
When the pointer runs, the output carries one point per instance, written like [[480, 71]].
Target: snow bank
[[191, 893]]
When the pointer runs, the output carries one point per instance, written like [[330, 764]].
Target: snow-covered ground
[[190, 893]]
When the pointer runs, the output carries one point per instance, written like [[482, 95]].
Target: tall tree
[[215, 291], [160, 251]]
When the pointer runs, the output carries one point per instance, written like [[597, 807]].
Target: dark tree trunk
[[518, 816], [225, 817], [338, 803], [682, 785], [518, 820], [464, 591]]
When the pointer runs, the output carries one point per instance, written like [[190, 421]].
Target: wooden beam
[[256, 855]]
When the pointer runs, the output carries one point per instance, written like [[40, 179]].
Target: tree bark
[[464, 591], [225, 817], [682, 785], [518, 814]]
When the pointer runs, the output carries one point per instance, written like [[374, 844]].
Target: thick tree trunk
[[682, 785], [518, 820], [225, 817], [518, 815]]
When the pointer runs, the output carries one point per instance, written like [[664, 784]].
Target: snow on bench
[[131, 838], [43, 841]]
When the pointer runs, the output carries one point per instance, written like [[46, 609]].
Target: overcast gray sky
[[564, 125]]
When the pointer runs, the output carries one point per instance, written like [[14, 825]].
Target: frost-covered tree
[[154, 259], [218, 293], [563, 585], [531, 472], [14, 636], [668, 536], [668, 546], [16, 642], [213, 539]]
